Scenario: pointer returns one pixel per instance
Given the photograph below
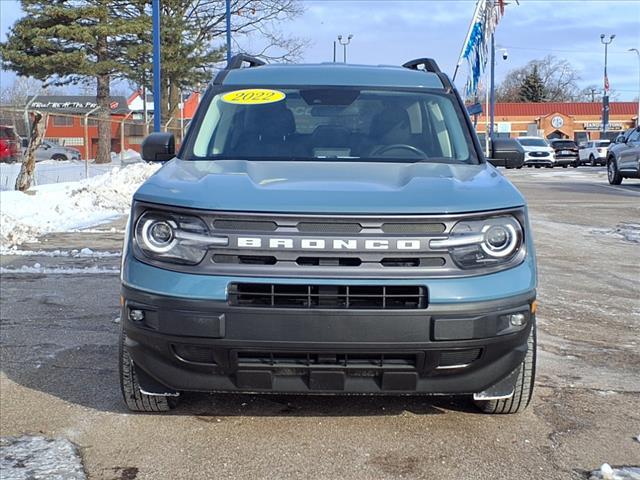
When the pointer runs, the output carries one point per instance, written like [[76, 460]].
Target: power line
[[557, 51]]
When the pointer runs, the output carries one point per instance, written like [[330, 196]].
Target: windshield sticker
[[253, 96]]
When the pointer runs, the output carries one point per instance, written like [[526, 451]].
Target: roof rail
[[430, 64], [237, 61]]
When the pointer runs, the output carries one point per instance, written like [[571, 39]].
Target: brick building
[[576, 121]]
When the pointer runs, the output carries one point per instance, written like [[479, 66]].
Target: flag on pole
[[475, 50], [606, 83]]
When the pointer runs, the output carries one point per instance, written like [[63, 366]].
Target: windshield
[[602, 143], [533, 142], [331, 123], [565, 144]]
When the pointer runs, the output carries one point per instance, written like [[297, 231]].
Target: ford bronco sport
[[328, 229]]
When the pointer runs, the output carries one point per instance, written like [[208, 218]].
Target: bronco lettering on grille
[[280, 243]]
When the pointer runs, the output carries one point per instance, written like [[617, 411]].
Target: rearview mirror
[[159, 147], [506, 152]]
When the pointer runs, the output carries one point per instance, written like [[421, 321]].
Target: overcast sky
[[391, 32]]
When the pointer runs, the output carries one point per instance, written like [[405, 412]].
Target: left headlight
[[174, 238], [483, 243]]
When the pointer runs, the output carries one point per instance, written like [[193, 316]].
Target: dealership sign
[[598, 126]]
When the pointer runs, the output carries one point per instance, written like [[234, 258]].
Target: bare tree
[[22, 89], [559, 77]]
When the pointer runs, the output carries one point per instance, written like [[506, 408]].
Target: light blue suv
[[328, 229]]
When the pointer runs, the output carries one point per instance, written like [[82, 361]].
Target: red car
[[10, 145]]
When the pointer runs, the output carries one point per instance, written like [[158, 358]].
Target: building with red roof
[[579, 121]]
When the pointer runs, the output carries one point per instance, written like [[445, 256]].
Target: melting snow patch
[[69, 206], [607, 472], [84, 253], [26, 457], [629, 232], [39, 269]]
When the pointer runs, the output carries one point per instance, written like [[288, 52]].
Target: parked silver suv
[[623, 160], [51, 151]]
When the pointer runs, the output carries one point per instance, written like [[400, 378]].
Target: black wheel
[[592, 160], [136, 400], [59, 157], [613, 175], [576, 164], [523, 391], [564, 166]]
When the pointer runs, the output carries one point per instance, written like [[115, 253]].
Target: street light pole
[[157, 93], [638, 55], [228, 18], [344, 46], [492, 88], [605, 96]]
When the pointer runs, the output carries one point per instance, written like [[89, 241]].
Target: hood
[[330, 187]]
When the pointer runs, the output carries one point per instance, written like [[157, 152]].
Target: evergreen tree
[[71, 41], [532, 88], [193, 41]]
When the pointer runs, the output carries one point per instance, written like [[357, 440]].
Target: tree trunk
[[104, 112], [174, 102], [25, 177]]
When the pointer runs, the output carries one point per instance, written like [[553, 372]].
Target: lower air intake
[[379, 297]]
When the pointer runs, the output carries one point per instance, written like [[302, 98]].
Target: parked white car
[[537, 152], [594, 152]]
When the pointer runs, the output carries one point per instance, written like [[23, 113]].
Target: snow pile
[[26, 457], [629, 232], [607, 472], [68, 206], [41, 270], [75, 253], [127, 157]]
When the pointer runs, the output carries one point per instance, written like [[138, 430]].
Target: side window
[[634, 137]]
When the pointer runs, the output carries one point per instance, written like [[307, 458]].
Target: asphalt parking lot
[[59, 370]]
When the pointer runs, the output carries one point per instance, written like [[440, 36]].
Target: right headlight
[[174, 238], [483, 243]]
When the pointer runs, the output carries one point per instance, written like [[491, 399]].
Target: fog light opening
[[136, 315]]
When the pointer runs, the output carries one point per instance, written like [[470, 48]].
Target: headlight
[[483, 243], [174, 238]]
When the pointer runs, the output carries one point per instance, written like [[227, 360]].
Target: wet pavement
[[58, 354]]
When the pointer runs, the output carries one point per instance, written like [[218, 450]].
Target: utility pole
[[334, 51], [605, 96], [344, 46], [228, 17], [157, 91], [637, 52]]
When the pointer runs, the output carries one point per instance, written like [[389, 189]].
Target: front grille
[[538, 154], [385, 297], [329, 361]]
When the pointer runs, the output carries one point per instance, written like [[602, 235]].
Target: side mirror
[[506, 152], [621, 139], [159, 147]]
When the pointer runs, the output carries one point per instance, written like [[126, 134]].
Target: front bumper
[[209, 345]]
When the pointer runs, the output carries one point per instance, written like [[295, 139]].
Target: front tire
[[523, 391], [592, 160], [613, 175], [135, 400]]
